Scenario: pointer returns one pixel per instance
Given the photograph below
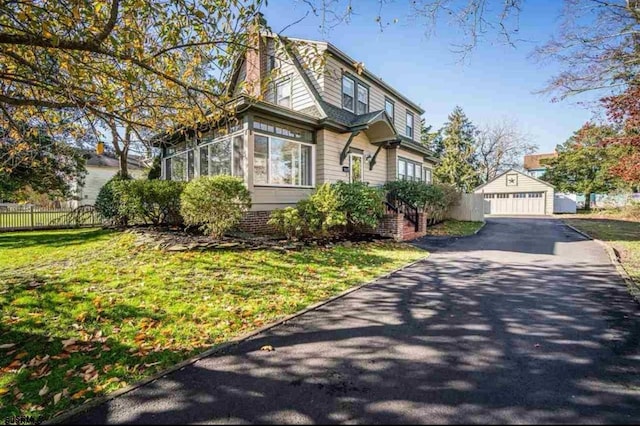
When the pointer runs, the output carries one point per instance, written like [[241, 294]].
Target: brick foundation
[[392, 225], [255, 222]]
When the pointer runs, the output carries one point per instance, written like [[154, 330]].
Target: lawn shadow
[[51, 238], [464, 341]]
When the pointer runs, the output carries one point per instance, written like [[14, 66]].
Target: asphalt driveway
[[526, 322]]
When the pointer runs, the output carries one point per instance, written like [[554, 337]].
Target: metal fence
[[17, 217]]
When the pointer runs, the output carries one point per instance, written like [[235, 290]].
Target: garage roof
[[516, 171]]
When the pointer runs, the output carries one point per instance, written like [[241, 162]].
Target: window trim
[[356, 82], [277, 185], [342, 92], [407, 162], [280, 83], [393, 107], [413, 124], [359, 84], [356, 154]]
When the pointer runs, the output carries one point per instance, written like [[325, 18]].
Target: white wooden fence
[[469, 208]]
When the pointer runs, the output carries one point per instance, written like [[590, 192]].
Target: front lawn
[[454, 228], [84, 312], [623, 235]]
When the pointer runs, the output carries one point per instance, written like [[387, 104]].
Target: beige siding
[[272, 197], [301, 97], [332, 93], [329, 169], [525, 184]]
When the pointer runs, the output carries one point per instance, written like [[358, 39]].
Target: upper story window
[[390, 108], [409, 129], [283, 93], [348, 93], [363, 100]]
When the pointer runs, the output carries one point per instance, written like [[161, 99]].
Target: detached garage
[[514, 193]]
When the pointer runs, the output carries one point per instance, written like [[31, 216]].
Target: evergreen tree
[[430, 138], [458, 164]]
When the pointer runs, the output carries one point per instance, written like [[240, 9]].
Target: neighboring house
[[101, 168], [313, 124], [532, 163], [515, 193]]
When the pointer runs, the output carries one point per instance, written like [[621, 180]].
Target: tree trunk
[[122, 157], [587, 201]]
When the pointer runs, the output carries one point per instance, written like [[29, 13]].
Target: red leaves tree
[[624, 110]]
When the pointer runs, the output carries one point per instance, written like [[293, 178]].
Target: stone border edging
[[634, 287], [62, 418]]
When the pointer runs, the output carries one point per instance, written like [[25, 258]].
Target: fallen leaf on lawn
[[79, 394], [14, 365], [4, 391], [44, 390], [7, 345], [41, 372], [267, 348], [37, 361], [21, 355], [56, 398], [152, 364], [68, 342]]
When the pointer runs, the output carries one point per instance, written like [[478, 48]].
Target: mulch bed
[[177, 240]]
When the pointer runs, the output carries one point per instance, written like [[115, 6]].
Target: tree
[[458, 165], [138, 65], [431, 139], [500, 147], [53, 170], [584, 163], [624, 111]]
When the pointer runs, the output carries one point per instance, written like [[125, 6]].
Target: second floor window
[[348, 93], [389, 107], [283, 94], [409, 130], [363, 100]]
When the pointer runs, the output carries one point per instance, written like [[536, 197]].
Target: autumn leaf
[[56, 398], [4, 391], [7, 345], [267, 348], [44, 390], [79, 394]]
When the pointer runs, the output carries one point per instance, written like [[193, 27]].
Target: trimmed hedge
[[434, 199]]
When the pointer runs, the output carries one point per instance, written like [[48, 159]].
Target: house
[[301, 122], [532, 163], [100, 169], [515, 193]]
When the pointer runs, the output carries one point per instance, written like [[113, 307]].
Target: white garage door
[[515, 203]]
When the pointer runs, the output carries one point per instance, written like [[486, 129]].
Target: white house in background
[[101, 168], [515, 193]]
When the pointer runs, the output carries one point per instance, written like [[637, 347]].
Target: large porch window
[[412, 170], [222, 155], [282, 162]]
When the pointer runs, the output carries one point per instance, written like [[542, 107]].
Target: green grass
[[86, 311], [454, 228], [623, 235]]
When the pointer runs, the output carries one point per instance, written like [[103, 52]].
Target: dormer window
[[363, 100], [409, 129], [348, 93], [283, 93]]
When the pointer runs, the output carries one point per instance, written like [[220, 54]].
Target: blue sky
[[495, 82]]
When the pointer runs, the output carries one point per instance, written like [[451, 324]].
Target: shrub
[[434, 199], [151, 201], [361, 204], [108, 201], [316, 216], [155, 171], [214, 203], [415, 192], [288, 222]]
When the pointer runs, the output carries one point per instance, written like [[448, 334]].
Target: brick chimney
[[256, 58]]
